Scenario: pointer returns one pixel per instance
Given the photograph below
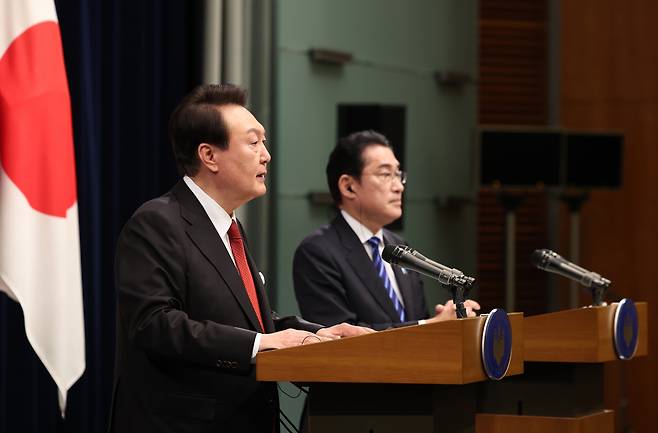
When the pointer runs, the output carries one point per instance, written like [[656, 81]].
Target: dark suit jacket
[[336, 281], [186, 328]]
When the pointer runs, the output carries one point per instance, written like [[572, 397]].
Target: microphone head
[[392, 253], [542, 258]]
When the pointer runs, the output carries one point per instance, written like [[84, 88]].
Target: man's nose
[[265, 156]]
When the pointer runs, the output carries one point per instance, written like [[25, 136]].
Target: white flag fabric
[[39, 238]]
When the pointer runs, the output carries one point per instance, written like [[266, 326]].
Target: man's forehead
[[260, 129], [379, 156], [240, 120]]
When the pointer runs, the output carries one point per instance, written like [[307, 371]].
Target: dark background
[[128, 64]]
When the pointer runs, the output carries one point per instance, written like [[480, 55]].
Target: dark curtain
[[128, 64]]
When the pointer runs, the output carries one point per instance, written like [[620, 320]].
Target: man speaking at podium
[[192, 310], [338, 271]]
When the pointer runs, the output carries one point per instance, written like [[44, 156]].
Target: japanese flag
[[39, 239]]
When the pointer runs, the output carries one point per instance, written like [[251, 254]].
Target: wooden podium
[[563, 380], [405, 379], [578, 335]]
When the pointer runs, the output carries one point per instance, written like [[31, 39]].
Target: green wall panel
[[403, 33], [397, 46]]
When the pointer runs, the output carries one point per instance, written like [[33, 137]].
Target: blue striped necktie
[[381, 270]]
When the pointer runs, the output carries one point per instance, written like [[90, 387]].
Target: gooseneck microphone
[[409, 258], [550, 261]]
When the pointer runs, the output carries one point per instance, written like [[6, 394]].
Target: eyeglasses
[[387, 177]]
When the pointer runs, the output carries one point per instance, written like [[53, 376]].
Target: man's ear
[[207, 154], [346, 184]]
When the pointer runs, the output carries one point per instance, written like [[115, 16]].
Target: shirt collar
[[218, 216], [361, 231]]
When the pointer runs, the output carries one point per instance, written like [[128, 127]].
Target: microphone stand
[[461, 285], [597, 295], [458, 299]]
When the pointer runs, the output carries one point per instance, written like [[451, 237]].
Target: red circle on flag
[[36, 135]]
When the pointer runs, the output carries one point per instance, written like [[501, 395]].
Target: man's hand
[[449, 311], [343, 330], [288, 338]]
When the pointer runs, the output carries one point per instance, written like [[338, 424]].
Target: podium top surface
[[438, 353]]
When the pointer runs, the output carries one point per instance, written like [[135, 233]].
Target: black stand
[[458, 299], [460, 289]]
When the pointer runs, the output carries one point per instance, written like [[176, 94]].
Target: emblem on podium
[[496, 344], [625, 329]]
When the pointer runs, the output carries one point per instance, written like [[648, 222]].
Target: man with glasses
[[338, 272]]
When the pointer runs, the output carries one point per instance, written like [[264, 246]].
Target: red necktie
[[237, 246]]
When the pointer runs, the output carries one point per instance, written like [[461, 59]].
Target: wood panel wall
[[609, 80], [513, 62], [513, 90]]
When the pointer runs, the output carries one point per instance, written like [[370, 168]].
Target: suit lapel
[[205, 237], [363, 267]]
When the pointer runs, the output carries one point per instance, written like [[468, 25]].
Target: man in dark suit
[[338, 272], [192, 309]]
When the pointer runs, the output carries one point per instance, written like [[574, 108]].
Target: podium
[[578, 335], [563, 380], [405, 379]]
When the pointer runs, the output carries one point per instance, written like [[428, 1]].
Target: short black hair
[[347, 158], [197, 120]]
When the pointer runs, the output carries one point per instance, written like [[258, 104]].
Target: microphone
[[550, 261], [409, 258]]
